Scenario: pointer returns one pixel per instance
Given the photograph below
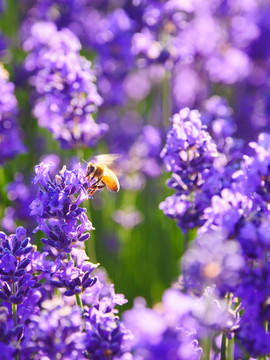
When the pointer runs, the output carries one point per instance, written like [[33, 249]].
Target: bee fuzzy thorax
[[99, 176], [100, 170]]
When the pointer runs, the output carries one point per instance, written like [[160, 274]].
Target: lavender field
[[172, 263]]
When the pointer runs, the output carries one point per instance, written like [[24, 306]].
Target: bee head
[[91, 168]]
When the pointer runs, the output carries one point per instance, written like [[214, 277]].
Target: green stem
[[79, 301], [69, 256], [230, 349], [80, 154], [14, 307], [227, 346], [14, 313], [3, 181], [90, 243], [185, 241], [78, 298], [223, 347], [206, 345], [166, 98], [266, 326]]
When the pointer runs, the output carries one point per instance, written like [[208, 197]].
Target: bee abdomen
[[111, 181]]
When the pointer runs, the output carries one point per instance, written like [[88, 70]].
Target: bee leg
[[93, 190], [95, 184], [101, 186], [90, 191], [94, 187]]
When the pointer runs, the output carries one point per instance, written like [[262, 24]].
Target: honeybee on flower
[[99, 170]]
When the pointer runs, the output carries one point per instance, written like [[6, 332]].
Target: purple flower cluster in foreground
[[37, 319], [10, 133], [66, 96], [57, 207], [173, 329]]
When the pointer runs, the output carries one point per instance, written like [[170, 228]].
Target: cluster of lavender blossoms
[[52, 304], [65, 94], [190, 154], [10, 134], [227, 198]]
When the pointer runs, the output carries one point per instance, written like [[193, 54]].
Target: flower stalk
[[14, 307]]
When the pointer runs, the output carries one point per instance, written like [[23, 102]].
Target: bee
[[104, 176]]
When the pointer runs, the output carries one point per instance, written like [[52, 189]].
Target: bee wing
[[107, 159]]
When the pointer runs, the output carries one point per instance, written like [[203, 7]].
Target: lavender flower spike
[[189, 153], [55, 333], [57, 207], [64, 84]]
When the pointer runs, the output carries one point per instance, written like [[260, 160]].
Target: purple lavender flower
[[201, 172], [57, 207], [64, 222], [158, 335], [20, 290], [218, 117], [49, 327], [21, 194], [56, 332], [214, 313], [11, 135], [174, 327], [190, 154], [58, 11], [74, 279], [230, 253], [106, 336], [10, 335], [188, 134], [157, 40], [213, 260], [254, 292], [241, 210], [225, 211], [102, 296], [66, 96], [15, 280], [241, 213], [31, 304], [74, 15]]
